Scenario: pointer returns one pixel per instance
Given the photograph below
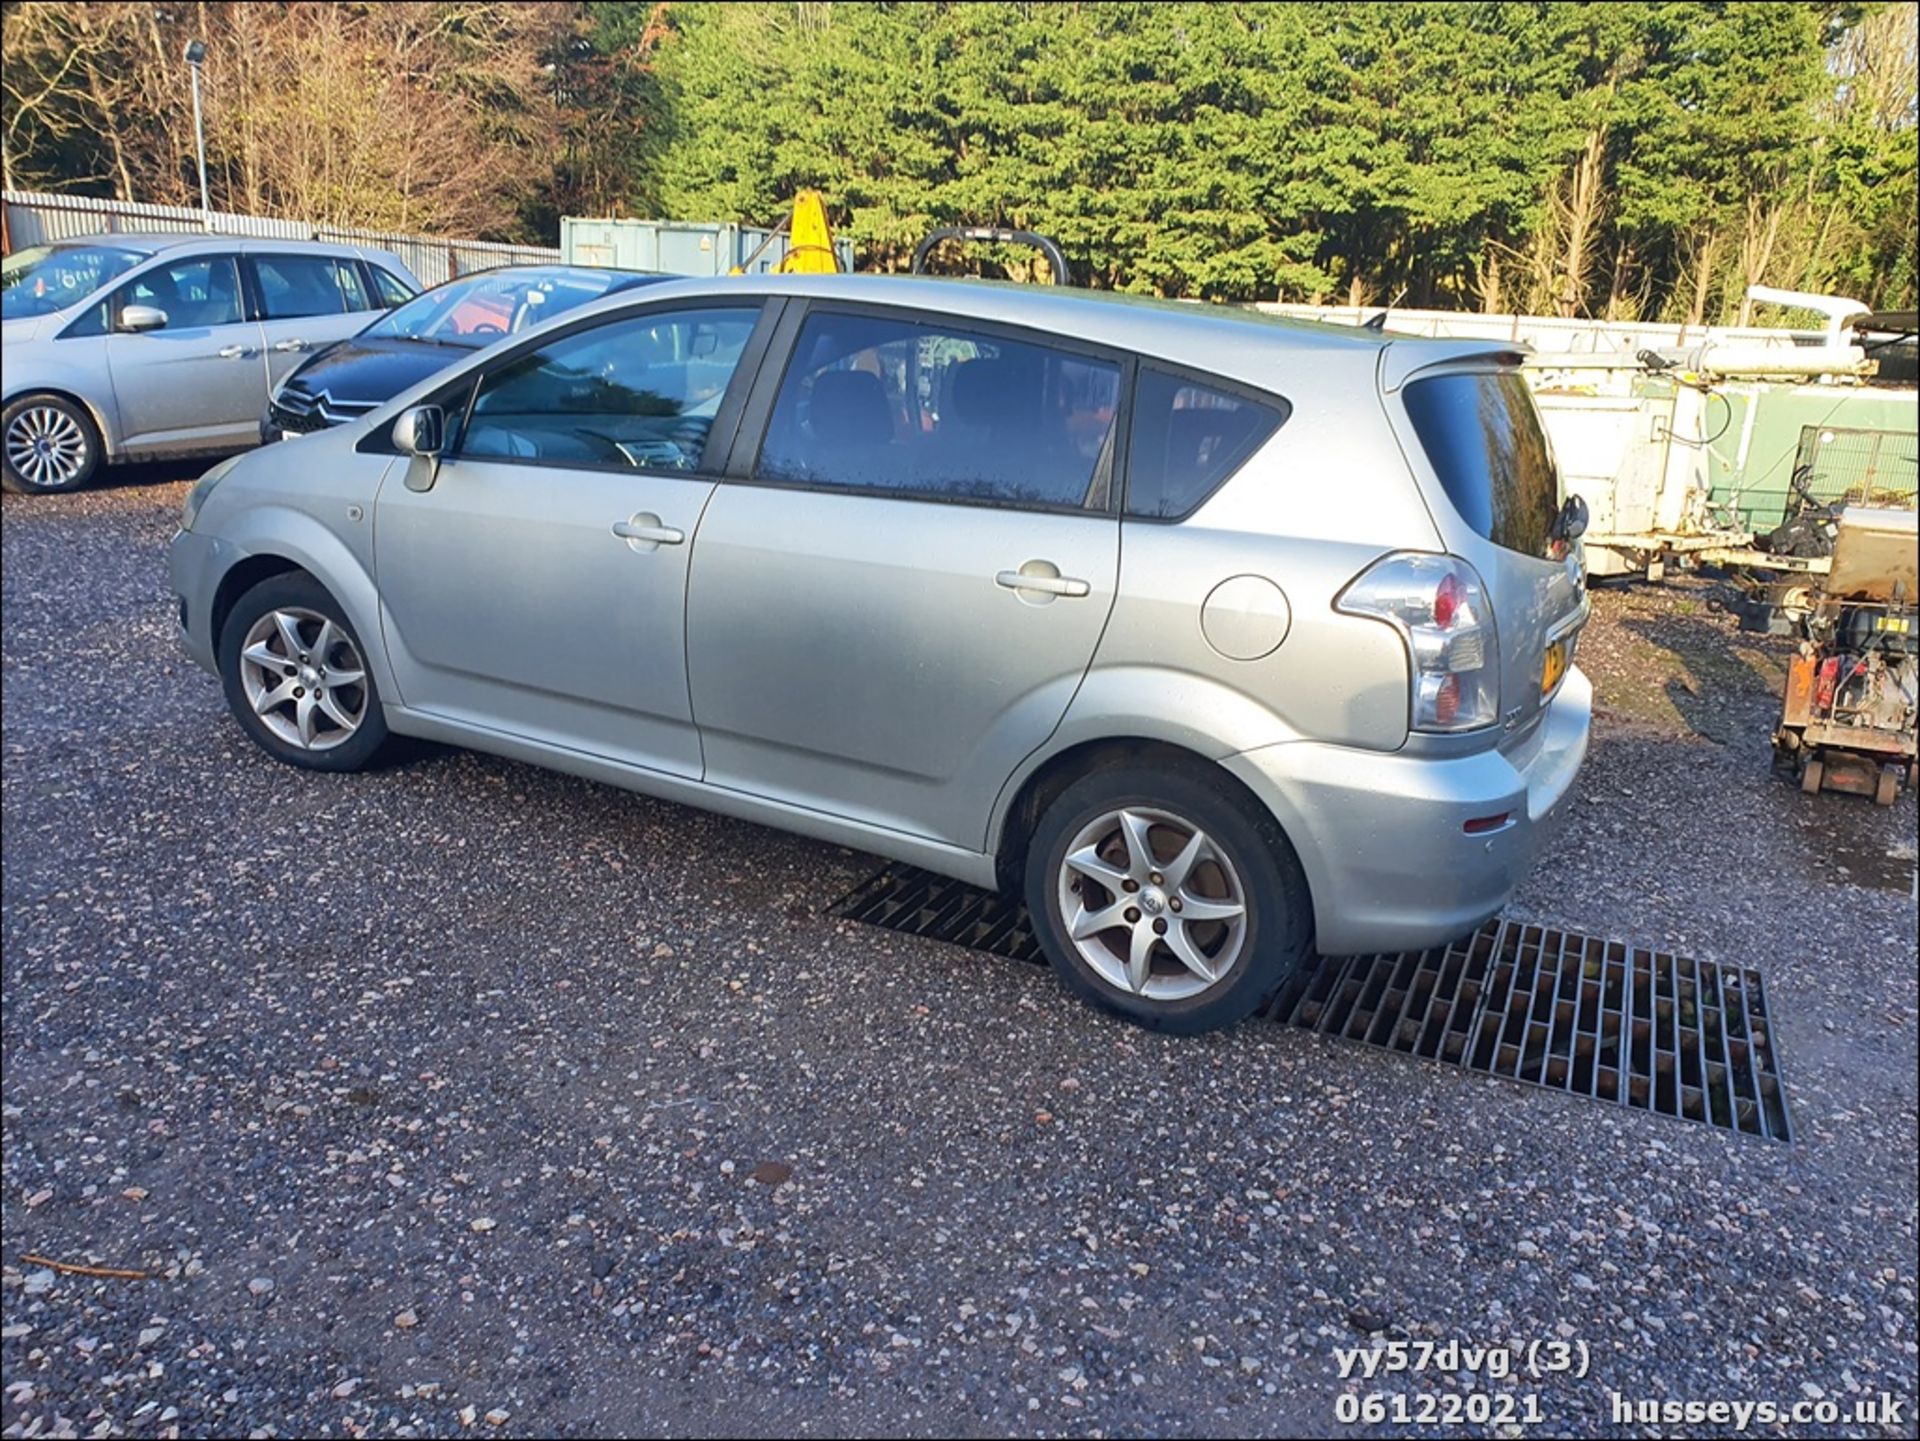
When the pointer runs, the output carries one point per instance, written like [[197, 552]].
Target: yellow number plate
[[1555, 667]]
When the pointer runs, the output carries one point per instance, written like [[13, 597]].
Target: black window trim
[[726, 420], [743, 463], [1239, 390]]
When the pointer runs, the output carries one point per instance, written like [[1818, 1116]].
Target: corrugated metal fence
[[34, 218]]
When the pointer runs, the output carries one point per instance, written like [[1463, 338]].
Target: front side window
[[1187, 439], [194, 293], [640, 392], [44, 278], [917, 408], [292, 286]]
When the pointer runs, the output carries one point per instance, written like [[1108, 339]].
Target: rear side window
[[295, 285], [393, 291], [1483, 437], [921, 409], [1187, 439], [353, 285]]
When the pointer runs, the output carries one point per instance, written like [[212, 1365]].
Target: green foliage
[[1255, 151], [1638, 157]]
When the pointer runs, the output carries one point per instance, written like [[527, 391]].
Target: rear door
[[305, 301], [198, 382], [539, 587], [896, 594]]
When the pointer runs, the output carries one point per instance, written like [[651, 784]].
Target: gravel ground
[[470, 1097]]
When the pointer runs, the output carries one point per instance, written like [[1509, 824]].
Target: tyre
[[296, 677], [1887, 789], [1813, 777], [51, 445], [1166, 896]]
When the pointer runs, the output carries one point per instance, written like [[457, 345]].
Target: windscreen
[[44, 278], [480, 309], [1483, 437]]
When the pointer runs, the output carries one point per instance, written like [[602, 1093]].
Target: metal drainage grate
[[1641, 1028]]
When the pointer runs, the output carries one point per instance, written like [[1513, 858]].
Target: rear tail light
[[1439, 607]]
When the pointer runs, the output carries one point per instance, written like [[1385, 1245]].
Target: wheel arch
[[110, 448], [277, 539], [1027, 799], [242, 577]]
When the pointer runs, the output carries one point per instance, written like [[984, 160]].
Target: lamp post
[[196, 53]]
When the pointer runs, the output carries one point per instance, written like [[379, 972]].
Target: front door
[[538, 588], [898, 607], [200, 381]]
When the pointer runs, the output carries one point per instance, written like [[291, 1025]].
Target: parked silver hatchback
[[134, 347], [1216, 637]]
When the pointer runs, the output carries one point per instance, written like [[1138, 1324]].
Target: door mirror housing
[[138, 319], [421, 431]]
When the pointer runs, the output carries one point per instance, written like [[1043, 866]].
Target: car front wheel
[[1167, 897], [296, 677], [51, 445]]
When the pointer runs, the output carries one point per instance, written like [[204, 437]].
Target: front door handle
[[645, 530], [232, 352], [284, 345], [1055, 584]]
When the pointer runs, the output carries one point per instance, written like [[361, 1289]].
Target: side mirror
[[1571, 523], [421, 431], [137, 319]]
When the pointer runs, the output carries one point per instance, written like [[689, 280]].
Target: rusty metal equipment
[[1853, 686], [1598, 1018]]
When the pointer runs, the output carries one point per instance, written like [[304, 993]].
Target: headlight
[[197, 497]]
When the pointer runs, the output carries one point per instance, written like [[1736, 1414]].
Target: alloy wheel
[[46, 446], [304, 678], [1152, 904]]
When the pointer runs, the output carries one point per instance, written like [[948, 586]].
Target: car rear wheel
[[1165, 896], [51, 445], [296, 677]]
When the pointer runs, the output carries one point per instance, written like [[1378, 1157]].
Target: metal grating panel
[[1599, 1018]]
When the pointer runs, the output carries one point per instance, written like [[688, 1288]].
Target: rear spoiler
[[1402, 359]]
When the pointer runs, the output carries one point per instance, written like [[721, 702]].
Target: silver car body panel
[[177, 391], [846, 666]]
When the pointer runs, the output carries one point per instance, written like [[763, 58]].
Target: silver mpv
[[1216, 637]]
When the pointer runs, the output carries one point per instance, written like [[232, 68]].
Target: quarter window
[[393, 291], [1187, 439], [921, 409], [636, 393], [194, 293], [292, 286]]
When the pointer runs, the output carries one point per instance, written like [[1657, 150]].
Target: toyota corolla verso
[[1215, 637]]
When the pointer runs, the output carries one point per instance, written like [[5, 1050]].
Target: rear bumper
[[1380, 835]]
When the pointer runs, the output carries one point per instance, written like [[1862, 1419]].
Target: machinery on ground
[[1853, 686]]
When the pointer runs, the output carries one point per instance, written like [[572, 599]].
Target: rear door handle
[[1045, 584], [289, 345], [647, 530], [232, 352]]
